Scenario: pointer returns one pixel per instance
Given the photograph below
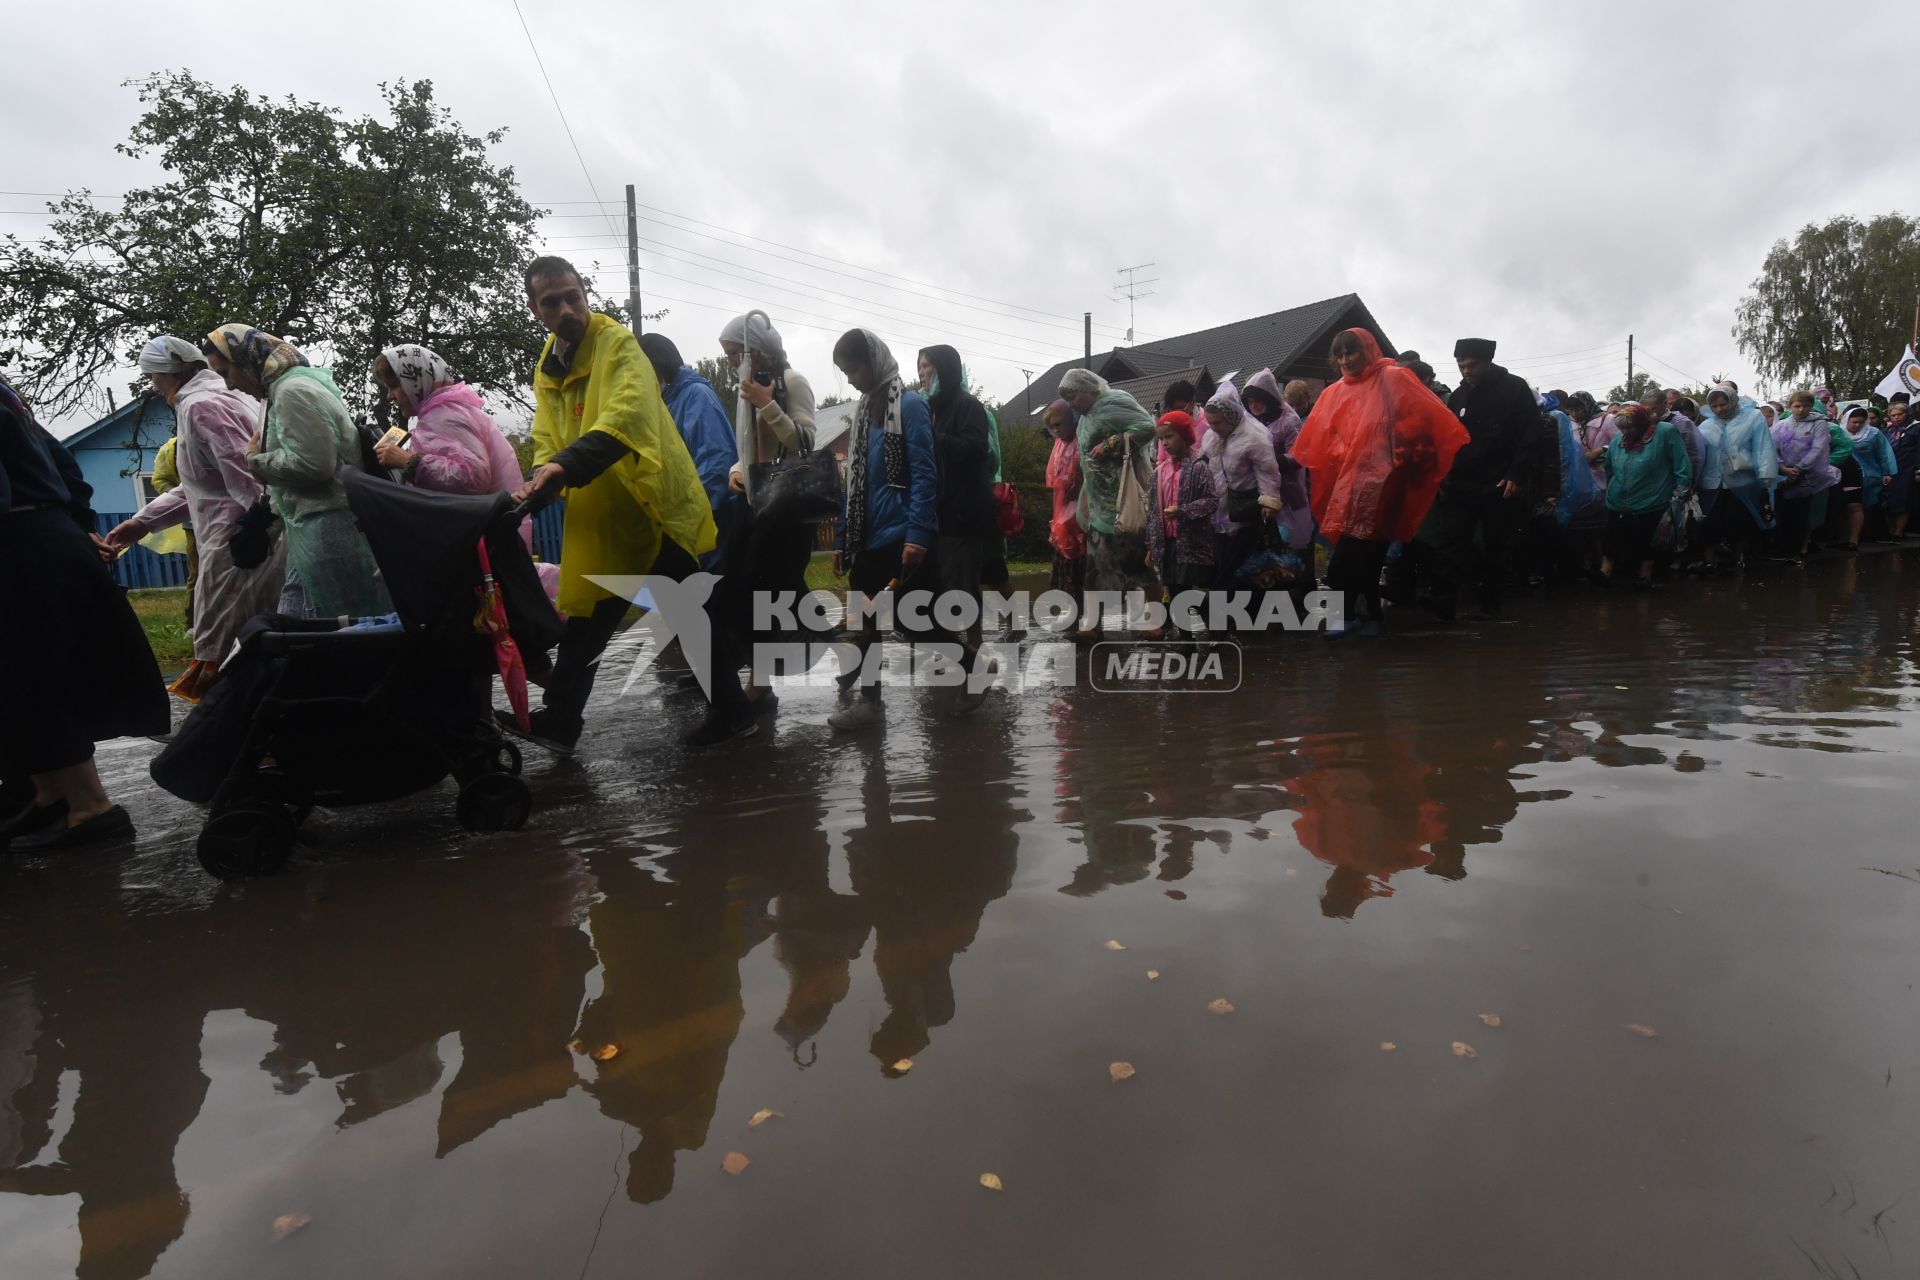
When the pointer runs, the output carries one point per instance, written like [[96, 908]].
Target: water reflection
[[368, 975]]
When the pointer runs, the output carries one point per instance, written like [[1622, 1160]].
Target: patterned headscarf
[[418, 371], [882, 402], [256, 349]]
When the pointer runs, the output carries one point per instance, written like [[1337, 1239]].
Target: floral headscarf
[[418, 371], [256, 349]]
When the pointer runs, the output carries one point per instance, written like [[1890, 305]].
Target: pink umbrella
[[491, 619]]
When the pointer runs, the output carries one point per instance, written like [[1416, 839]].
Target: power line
[[563, 116], [948, 302], [1554, 354], [842, 323], [824, 257], [1697, 381], [903, 312]]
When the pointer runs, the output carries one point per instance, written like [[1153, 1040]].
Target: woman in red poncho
[[1377, 446]]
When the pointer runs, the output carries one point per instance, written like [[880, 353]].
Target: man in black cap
[[1477, 503]]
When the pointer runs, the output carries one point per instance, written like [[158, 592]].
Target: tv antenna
[[1132, 289]]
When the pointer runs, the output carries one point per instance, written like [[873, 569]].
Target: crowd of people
[[1419, 494]]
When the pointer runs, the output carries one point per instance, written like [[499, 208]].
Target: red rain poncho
[[1377, 447]]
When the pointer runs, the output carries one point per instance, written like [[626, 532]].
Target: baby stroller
[[323, 713]]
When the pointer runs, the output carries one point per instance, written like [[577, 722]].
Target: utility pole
[[1629, 364], [633, 262], [1088, 319], [1029, 374], [1130, 289]]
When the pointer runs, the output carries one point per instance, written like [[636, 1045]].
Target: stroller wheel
[[494, 802], [506, 758], [254, 838]]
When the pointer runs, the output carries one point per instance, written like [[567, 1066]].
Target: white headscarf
[[168, 354], [418, 371]]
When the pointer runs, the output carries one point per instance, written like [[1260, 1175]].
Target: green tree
[[340, 235], [1833, 304], [725, 378], [1635, 387]]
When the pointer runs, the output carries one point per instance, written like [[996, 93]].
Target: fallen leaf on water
[[903, 1066], [1461, 1049], [1491, 1019], [1293, 871], [991, 1181], [288, 1223], [1153, 975], [1622, 688], [1388, 1046], [1677, 911], [1642, 1029], [605, 1053], [763, 1115], [1222, 1005], [1120, 1071], [735, 1163], [1114, 946], [1176, 895]]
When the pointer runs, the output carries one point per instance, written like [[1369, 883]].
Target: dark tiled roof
[[1151, 390], [1289, 342]]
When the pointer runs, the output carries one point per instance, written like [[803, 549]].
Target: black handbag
[[799, 488], [252, 538], [1243, 505]]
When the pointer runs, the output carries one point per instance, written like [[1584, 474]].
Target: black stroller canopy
[[423, 541]]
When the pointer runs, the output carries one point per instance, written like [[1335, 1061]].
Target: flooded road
[[1604, 819]]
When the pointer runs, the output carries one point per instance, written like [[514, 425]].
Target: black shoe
[[31, 821], [538, 734], [722, 726], [114, 824], [766, 704]]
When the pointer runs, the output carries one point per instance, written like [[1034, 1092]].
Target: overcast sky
[[1553, 176]]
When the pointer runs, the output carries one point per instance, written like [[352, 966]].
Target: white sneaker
[[864, 713]]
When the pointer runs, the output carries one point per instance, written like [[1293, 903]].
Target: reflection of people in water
[[925, 889], [1095, 798], [1364, 808], [118, 1023], [357, 993], [362, 995], [669, 1007]]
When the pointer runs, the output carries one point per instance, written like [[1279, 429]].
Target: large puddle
[[1666, 843]]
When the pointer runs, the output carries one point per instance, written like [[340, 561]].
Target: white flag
[[1905, 377]]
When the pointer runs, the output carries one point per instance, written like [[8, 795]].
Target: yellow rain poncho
[[614, 525]]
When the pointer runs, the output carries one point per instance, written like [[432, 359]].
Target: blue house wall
[[116, 446]]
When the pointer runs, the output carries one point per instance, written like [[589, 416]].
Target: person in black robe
[[1466, 537], [78, 664]]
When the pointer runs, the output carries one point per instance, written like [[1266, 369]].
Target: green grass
[[162, 612], [820, 572]]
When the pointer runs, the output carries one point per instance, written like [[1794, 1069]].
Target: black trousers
[[869, 573], [762, 556], [1466, 541], [1792, 517], [577, 659], [1628, 539], [1354, 569]]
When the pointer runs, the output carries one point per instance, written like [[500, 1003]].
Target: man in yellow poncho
[[634, 502]]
